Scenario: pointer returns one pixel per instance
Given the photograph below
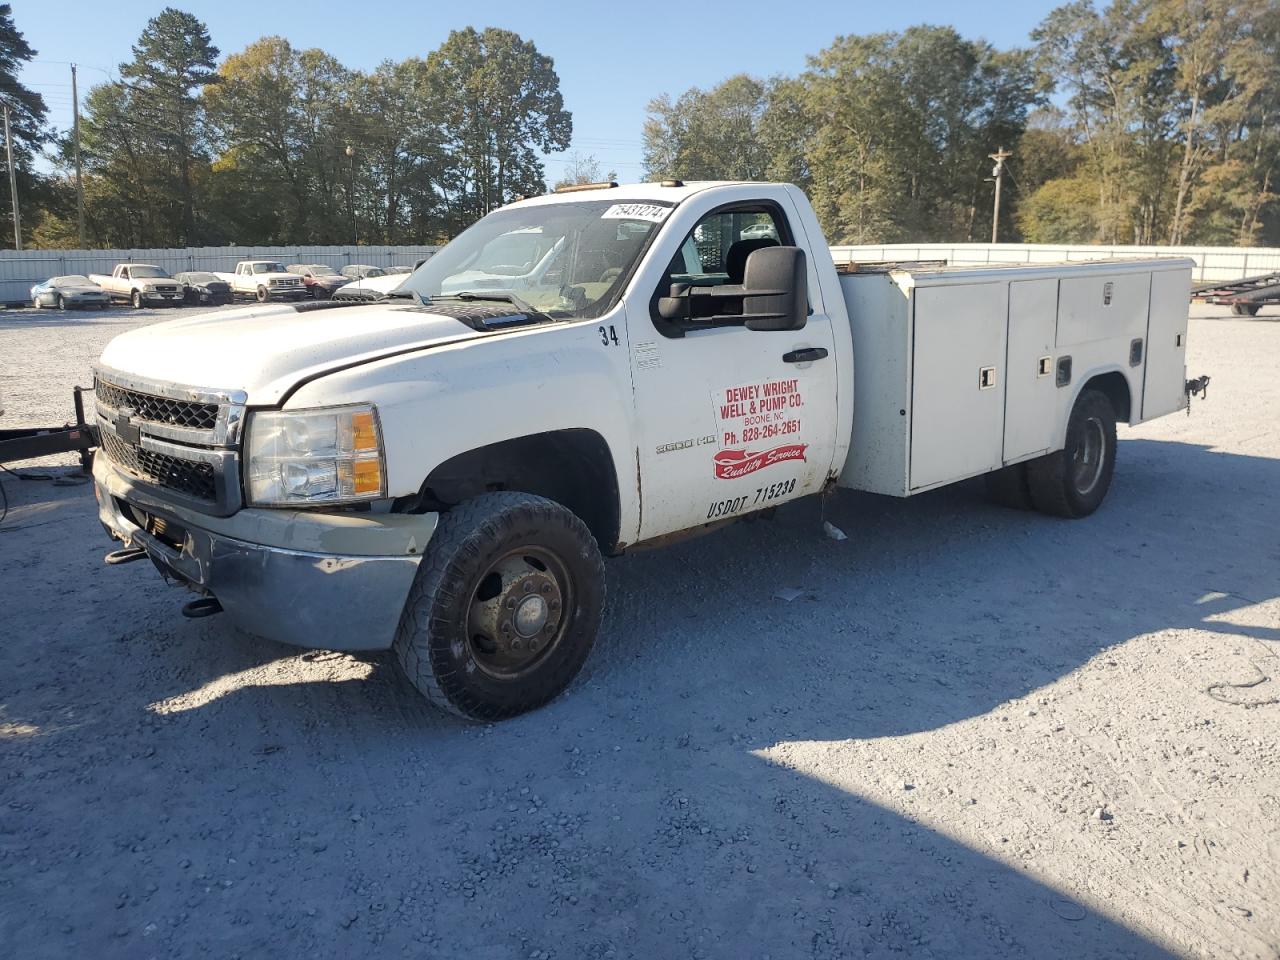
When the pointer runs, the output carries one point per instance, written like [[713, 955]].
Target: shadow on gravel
[[246, 798]]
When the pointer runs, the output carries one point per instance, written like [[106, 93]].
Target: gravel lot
[[975, 733]]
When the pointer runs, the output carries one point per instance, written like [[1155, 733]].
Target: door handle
[[804, 355]]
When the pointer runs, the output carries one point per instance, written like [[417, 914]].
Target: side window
[[715, 254]]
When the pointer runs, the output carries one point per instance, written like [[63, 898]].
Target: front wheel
[[1246, 309], [62, 302], [136, 300], [505, 606], [263, 294], [1073, 481]]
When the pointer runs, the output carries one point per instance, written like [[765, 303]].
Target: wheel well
[[1116, 389], [571, 467]]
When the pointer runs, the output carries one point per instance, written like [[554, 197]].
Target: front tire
[[1073, 482], [505, 606], [136, 300], [1246, 309], [263, 295], [62, 302]]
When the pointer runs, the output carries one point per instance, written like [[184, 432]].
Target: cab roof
[[628, 192]]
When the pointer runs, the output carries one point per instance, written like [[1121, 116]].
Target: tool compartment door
[[1165, 377], [957, 397], [1030, 405]]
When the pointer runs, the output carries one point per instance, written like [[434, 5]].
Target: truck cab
[[441, 471]]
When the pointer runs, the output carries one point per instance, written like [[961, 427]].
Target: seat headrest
[[735, 261]]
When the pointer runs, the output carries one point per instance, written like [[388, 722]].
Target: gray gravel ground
[[976, 733]]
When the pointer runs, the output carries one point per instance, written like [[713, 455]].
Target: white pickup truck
[[141, 284], [441, 471], [264, 280]]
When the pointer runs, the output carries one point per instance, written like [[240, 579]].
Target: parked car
[[760, 231], [201, 286], [400, 268], [319, 279], [372, 288], [140, 284], [362, 271], [69, 291], [264, 280]]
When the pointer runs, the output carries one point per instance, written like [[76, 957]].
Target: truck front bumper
[[328, 581]]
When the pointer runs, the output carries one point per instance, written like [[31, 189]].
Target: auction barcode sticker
[[652, 212]]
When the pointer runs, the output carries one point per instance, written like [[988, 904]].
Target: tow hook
[[127, 555], [1199, 387], [202, 607]]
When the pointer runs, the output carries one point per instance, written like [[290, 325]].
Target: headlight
[[330, 455]]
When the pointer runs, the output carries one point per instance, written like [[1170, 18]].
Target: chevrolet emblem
[[125, 428]]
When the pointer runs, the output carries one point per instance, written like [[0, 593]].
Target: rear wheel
[[505, 606], [1073, 481], [1246, 309]]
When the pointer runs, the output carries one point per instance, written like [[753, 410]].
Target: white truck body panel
[[245, 282], [956, 368]]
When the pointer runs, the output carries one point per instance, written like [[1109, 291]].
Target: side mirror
[[775, 289]]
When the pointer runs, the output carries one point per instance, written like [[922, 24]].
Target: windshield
[[200, 278], [319, 270], [145, 273], [265, 267], [71, 280], [566, 260]]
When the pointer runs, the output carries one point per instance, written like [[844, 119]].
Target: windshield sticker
[[637, 211]]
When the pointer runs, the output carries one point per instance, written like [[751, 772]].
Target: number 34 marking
[[608, 336]]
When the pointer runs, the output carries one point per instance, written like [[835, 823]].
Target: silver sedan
[[69, 291]]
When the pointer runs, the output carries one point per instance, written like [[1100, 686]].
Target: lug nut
[[554, 604], [517, 643], [511, 604], [546, 588], [528, 586], [506, 628]]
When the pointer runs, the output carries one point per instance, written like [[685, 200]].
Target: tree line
[[274, 144], [1146, 121]]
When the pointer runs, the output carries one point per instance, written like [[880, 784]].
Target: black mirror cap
[[781, 274]]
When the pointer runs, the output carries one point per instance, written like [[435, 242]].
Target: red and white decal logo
[[732, 464]]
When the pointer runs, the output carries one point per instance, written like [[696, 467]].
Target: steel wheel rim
[[1087, 459], [518, 612]]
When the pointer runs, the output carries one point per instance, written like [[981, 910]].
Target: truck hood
[[265, 350]]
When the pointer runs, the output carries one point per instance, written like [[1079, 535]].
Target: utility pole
[[997, 173], [75, 127], [13, 180]]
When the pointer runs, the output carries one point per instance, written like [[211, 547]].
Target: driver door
[[730, 420]]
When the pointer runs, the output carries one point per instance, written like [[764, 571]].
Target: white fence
[[20, 270], [1213, 264]]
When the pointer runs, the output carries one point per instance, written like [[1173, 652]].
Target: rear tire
[[1073, 482], [1246, 309], [1008, 487], [505, 606]]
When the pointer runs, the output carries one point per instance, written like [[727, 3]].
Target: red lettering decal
[[732, 464]]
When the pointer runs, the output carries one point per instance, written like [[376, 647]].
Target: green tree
[[499, 104], [708, 135], [27, 121], [172, 62]]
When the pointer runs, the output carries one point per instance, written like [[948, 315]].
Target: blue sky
[[611, 59]]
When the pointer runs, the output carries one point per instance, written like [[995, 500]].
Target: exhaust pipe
[[202, 607]]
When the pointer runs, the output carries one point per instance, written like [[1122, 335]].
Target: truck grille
[[175, 413], [185, 476], [184, 441]]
